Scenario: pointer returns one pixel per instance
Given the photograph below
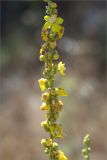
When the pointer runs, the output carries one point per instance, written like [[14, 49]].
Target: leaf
[[59, 20], [56, 27]]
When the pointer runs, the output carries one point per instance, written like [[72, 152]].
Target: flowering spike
[[86, 150], [51, 32]]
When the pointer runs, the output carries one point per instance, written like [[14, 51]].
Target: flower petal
[[52, 19], [42, 83], [46, 18], [59, 20], [56, 27], [61, 92], [61, 68], [47, 25]]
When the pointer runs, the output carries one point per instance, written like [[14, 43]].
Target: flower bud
[[46, 150], [44, 46], [45, 96], [61, 68], [55, 145], [86, 157], [41, 58], [41, 51], [44, 34], [58, 106], [44, 106], [60, 34], [56, 55], [44, 124], [52, 44], [84, 151], [49, 56], [53, 5], [55, 11], [49, 142], [89, 149], [87, 139], [43, 141], [46, 142]]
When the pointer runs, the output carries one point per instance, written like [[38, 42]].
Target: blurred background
[[83, 49]]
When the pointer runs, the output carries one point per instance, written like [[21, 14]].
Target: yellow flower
[[60, 92], [61, 156], [45, 34], [49, 142], [52, 44], [53, 22], [45, 125], [60, 34], [42, 83], [45, 96], [56, 130], [46, 142], [44, 106], [61, 68], [58, 106]]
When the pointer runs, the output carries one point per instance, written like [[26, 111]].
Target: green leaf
[[47, 25], [56, 27], [59, 20]]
